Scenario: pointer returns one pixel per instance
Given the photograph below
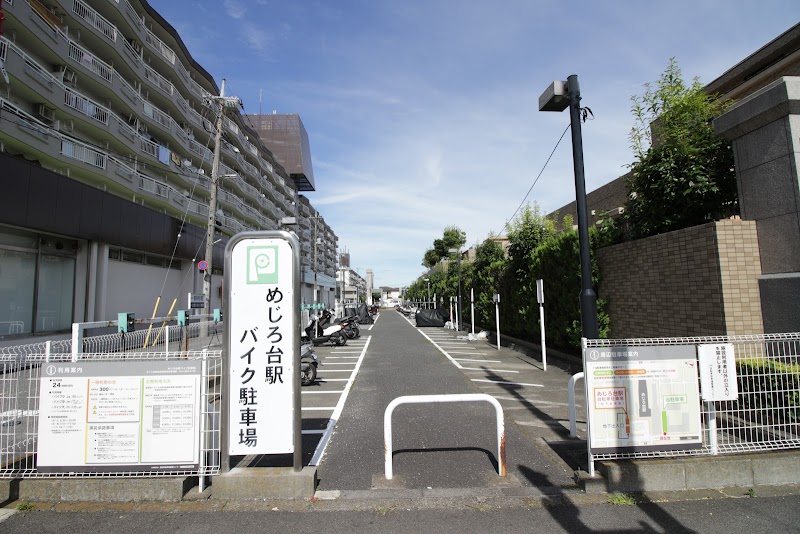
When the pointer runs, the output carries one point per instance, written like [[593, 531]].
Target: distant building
[[286, 137]]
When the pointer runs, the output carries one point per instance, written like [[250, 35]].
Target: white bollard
[[573, 430], [424, 399]]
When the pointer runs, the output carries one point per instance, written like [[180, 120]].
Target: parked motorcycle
[[351, 327], [309, 361], [320, 331]]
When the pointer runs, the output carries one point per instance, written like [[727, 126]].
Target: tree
[[452, 237], [529, 230], [485, 276], [685, 177]]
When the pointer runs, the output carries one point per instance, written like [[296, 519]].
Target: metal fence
[[766, 414], [20, 378], [152, 335]]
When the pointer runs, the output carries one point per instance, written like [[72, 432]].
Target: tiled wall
[[697, 281]]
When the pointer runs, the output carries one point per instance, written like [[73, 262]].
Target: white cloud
[[256, 38], [235, 9]]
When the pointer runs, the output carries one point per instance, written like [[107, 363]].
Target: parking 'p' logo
[[262, 265]]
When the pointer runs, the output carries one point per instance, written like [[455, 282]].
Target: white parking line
[[341, 357], [339, 363], [313, 431], [337, 412], [440, 348], [479, 361], [470, 352], [503, 382], [489, 370]]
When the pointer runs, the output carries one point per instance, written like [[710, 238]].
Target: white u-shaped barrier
[[424, 399], [573, 430]]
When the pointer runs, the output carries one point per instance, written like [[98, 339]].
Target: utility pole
[[222, 102], [316, 219]]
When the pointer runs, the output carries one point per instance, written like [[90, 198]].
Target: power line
[[536, 180]]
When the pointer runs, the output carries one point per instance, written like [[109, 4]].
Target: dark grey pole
[[589, 326]]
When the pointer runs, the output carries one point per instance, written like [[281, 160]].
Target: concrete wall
[[147, 280], [697, 281]]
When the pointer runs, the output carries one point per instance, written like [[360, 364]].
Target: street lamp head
[[555, 97]]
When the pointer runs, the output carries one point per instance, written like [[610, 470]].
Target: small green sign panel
[[262, 265]]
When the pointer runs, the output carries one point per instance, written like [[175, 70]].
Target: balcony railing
[[152, 186], [158, 44], [83, 57], [132, 12], [133, 52], [158, 80], [81, 152], [94, 19], [87, 107], [157, 115]]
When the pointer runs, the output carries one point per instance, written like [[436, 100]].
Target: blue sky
[[424, 113]]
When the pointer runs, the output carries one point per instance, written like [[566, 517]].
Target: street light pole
[[315, 260], [223, 102], [558, 97], [588, 297], [316, 219], [458, 304]]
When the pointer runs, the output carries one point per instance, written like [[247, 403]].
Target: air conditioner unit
[[65, 126], [45, 113]]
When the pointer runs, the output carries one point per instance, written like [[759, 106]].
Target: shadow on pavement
[[568, 514]]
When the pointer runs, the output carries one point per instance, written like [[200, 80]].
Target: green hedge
[[771, 388]]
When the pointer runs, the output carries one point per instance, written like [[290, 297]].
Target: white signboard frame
[[718, 372], [119, 416], [642, 398], [262, 361]]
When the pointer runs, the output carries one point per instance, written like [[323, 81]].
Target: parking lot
[[323, 401]]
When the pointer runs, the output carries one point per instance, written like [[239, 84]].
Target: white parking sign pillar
[[472, 308], [540, 299], [261, 366], [497, 316]]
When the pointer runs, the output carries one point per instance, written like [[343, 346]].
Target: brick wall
[[697, 281], [740, 267]]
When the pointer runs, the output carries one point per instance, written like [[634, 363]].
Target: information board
[[262, 317], [642, 398], [119, 416]]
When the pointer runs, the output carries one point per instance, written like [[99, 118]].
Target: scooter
[[351, 328], [330, 333], [309, 361]]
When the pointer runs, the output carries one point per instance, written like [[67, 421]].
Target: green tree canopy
[[452, 237], [686, 176]]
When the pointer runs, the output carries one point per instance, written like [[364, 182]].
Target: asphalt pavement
[[446, 446]]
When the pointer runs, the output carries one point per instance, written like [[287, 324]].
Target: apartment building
[[107, 134]]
